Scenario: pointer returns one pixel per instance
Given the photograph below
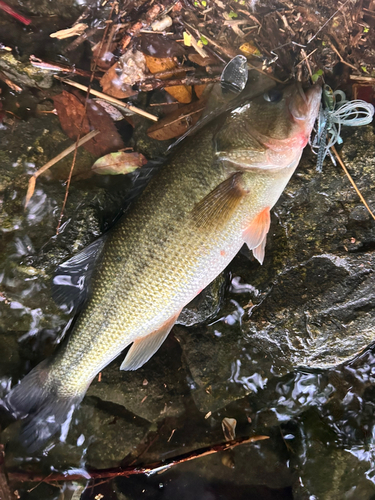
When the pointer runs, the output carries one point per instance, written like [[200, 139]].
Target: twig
[[5, 492], [70, 149], [166, 74], [81, 123], [305, 58], [9, 82], [342, 59], [109, 99], [6, 8], [361, 78], [130, 471], [38, 63], [352, 181], [265, 74], [325, 24], [195, 45], [189, 80], [145, 21]]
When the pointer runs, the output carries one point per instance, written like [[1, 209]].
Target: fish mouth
[[305, 105]]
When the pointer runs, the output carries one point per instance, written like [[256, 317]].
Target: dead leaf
[[70, 110], [182, 93], [112, 85], [130, 68], [75, 30], [199, 89], [177, 122], [249, 49], [159, 46], [229, 428], [103, 55], [118, 163], [203, 61]]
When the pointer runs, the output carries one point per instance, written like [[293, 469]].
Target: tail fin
[[36, 398]]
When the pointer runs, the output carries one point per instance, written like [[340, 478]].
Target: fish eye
[[273, 95]]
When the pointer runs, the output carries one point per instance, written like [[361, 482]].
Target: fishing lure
[[336, 111]]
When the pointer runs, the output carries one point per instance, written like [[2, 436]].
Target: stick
[[325, 24], [352, 182], [361, 78], [130, 471], [70, 149], [38, 63], [342, 59], [109, 99], [6, 8], [266, 74], [189, 80], [113, 6]]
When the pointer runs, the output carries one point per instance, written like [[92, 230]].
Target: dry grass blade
[[70, 149], [109, 99], [352, 181]]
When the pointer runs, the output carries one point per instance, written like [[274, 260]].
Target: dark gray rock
[[312, 302], [205, 305], [154, 392]]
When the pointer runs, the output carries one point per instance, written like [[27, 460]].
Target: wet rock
[[153, 392], [24, 74], [98, 437], [351, 466], [205, 305], [312, 302]]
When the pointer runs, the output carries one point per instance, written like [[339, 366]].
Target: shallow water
[[285, 355]]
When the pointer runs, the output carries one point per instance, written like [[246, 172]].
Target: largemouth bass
[[213, 195]]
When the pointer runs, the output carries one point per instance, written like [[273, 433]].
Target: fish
[[213, 194]]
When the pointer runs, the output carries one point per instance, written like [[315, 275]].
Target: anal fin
[[143, 349], [255, 234]]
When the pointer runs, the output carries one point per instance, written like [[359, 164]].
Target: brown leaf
[[203, 61], [70, 110], [199, 89], [160, 46], [182, 93], [229, 428], [177, 122], [110, 84], [103, 55], [129, 69], [118, 163]]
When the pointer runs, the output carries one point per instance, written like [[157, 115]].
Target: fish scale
[[212, 196]]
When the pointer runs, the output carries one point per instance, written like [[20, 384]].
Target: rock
[[153, 392], [24, 74], [312, 302], [350, 471], [98, 437], [205, 305]]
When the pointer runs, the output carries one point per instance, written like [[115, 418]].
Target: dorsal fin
[[70, 282], [218, 206], [143, 349], [256, 233]]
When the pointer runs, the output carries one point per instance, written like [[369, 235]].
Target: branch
[[130, 471]]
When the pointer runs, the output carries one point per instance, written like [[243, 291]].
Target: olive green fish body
[[214, 194]]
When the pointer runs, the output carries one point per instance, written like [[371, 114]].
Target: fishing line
[[336, 111]]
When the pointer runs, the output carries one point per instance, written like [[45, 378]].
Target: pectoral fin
[[218, 206], [256, 233], [143, 349]]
